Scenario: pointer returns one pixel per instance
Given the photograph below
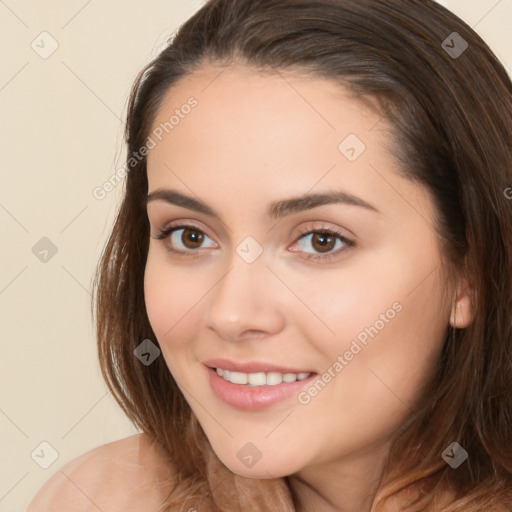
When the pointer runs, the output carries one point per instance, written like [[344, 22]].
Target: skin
[[252, 139]]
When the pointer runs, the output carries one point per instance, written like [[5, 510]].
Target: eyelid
[[185, 223], [337, 232], [318, 226], [296, 234], [311, 228]]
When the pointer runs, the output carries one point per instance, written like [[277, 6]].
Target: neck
[[348, 485]]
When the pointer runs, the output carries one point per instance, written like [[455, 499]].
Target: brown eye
[[323, 244], [185, 240], [323, 241], [192, 238]]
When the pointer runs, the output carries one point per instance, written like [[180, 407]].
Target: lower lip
[[254, 398]]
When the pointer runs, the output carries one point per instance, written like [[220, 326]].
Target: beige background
[[61, 136]]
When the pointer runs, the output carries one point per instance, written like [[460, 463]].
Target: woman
[[305, 300]]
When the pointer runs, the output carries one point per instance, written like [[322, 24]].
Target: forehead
[[261, 134], [269, 108], [262, 117]]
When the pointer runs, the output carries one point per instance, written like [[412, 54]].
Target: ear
[[462, 313]]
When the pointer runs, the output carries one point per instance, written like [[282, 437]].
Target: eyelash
[[164, 233]]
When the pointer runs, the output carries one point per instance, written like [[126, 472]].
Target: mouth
[[257, 379], [256, 390]]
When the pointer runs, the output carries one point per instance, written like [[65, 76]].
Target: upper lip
[[252, 366]]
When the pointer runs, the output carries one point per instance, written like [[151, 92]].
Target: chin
[[261, 470]]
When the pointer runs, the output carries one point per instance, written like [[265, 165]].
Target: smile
[[260, 378], [255, 391]]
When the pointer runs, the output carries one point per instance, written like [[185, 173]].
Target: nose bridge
[[240, 288], [242, 300], [246, 268]]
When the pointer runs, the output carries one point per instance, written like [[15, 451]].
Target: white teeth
[[238, 378], [274, 378], [260, 378], [257, 379]]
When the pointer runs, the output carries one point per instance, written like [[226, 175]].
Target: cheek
[[387, 325], [343, 305], [170, 295], [400, 354], [385, 362], [405, 353]]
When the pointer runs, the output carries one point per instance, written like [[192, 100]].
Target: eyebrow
[[276, 209]]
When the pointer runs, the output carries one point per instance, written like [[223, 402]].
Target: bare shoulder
[[123, 475]]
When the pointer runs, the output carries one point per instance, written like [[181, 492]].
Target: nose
[[245, 303]]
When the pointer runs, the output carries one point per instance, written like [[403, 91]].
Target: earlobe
[[462, 311]]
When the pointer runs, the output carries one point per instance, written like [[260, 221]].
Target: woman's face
[[365, 314]]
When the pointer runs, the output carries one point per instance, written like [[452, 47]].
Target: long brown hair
[[450, 107]]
